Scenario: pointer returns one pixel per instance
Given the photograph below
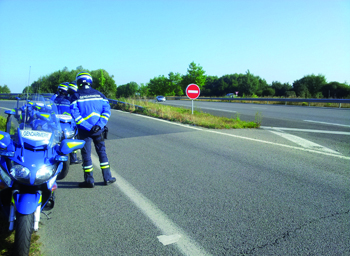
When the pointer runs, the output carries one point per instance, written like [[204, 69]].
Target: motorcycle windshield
[[35, 118]]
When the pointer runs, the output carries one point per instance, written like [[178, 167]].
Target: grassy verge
[[7, 240], [184, 115]]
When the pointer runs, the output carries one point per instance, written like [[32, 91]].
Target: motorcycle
[[33, 150]]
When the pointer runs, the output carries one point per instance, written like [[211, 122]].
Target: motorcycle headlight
[[20, 173], [69, 134], [44, 173]]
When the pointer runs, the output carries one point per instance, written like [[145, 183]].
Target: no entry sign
[[193, 91]]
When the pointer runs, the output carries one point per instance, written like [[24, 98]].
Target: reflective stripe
[[78, 118], [87, 167], [88, 170], [86, 118], [105, 117], [104, 163], [104, 167]]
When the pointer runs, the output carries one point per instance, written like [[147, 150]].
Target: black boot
[[107, 176], [74, 159], [89, 180]]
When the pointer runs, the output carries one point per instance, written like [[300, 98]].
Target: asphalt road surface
[[186, 190]]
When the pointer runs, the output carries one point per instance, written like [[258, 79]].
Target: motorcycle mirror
[[70, 145]]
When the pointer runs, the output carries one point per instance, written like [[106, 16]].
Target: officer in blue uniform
[[91, 111], [63, 101]]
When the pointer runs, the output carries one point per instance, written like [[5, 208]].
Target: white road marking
[[304, 130], [303, 142], [344, 125], [246, 138], [185, 244], [165, 240]]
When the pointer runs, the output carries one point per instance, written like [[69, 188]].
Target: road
[[185, 190]]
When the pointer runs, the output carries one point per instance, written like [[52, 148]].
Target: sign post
[[193, 92]]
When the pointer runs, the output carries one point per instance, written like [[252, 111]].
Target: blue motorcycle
[[32, 149]]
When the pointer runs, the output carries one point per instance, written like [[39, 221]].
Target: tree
[[248, 84], [281, 89], [143, 90], [104, 83], [195, 75], [127, 90], [309, 86], [4, 89], [174, 80], [210, 87], [158, 86]]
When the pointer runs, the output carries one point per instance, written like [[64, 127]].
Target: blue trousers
[[100, 148]]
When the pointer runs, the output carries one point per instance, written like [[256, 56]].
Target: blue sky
[[278, 40]]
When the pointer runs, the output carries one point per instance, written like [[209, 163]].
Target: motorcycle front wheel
[[23, 235], [64, 171]]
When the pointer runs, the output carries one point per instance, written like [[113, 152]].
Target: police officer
[[63, 101], [91, 111], [72, 88]]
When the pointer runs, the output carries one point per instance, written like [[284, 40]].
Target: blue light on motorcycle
[[44, 173], [5, 178], [7, 153], [20, 173]]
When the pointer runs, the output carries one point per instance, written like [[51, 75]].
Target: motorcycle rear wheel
[[23, 235]]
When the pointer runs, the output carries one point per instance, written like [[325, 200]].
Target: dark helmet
[[63, 87], [83, 78], [73, 87]]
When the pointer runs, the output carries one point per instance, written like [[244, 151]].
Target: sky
[[277, 40]]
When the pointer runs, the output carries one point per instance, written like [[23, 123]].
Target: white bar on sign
[[192, 91]]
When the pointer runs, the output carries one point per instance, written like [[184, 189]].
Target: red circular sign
[[193, 91]]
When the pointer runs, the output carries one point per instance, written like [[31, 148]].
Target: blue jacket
[[90, 107], [63, 104]]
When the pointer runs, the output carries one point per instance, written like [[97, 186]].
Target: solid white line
[[246, 138], [304, 130], [303, 142], [326, 123], [186, 245]]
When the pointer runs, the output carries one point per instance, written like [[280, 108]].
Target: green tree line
[[174, 84], [102, 81]]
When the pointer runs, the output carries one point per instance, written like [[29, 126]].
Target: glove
[[95, 128]]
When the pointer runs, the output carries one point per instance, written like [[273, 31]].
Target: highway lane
[[312, 127], [273, 115], [183, 190]]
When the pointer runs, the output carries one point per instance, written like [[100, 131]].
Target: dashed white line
[[304, 130], [303, 142], [344, 125]]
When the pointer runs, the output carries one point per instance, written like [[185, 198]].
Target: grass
[[184, 115], [7, 240]]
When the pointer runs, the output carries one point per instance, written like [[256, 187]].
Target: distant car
[[231, 95], [160, 98]]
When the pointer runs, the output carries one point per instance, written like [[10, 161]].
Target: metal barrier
[[285, 100]]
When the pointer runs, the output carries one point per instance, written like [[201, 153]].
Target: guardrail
[[285, 100]]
